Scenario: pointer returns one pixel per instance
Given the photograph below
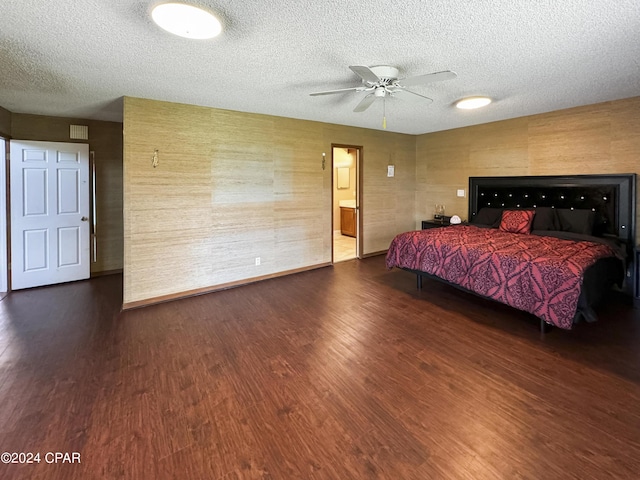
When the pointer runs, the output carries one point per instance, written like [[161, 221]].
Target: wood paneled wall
[[594, 139], [5, 123], [105, 139], [234, 186]]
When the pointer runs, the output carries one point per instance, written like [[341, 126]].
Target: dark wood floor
[[341, 373]]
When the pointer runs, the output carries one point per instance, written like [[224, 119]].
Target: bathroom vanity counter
[[348, 221]]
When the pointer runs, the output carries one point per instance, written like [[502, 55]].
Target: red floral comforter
[[540, 275]]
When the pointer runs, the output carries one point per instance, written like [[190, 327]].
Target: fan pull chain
[[384, 113]]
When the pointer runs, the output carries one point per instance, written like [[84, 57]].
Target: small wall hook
[[154, 160], [324, 160]]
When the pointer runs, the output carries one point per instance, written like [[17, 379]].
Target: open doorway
[[346, 202]]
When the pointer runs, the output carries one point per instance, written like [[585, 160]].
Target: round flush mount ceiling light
[[186, 21], [473, 102]]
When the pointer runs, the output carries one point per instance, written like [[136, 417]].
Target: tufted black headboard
[[611, 197]]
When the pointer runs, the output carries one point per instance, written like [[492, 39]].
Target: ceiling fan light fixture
[[470, 103], [186, 21]]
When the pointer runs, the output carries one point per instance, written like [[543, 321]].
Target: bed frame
[[611, 197]]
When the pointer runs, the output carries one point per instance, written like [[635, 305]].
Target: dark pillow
[[546, 219], [488, 216], [517, 221], [616, 246], [577, 220]]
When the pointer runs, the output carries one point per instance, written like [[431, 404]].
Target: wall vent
[[79, 132]]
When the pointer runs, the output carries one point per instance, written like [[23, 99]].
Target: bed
[[551, 246]]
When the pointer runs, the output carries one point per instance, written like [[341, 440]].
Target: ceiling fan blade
[[428, 78], [341, 90], [365, 103], [365, 73], [408, 94]]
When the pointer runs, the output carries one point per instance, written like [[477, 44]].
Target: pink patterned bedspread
[[540, 275]]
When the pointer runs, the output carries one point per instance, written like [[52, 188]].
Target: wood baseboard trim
[[374, 254], [216, 288], [106, 272]]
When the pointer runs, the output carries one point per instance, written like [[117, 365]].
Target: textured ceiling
[[79, 58]]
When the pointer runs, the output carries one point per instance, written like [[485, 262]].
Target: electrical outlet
[[460, 193], [257, 261]]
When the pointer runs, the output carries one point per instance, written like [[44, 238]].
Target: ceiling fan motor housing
[[385, 73]]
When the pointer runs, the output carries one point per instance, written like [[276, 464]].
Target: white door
[[49, 213]]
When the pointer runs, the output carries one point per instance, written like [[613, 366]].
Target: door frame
[[359, 161], [4, 215]]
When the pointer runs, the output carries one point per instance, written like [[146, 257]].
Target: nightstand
[[435, 223]]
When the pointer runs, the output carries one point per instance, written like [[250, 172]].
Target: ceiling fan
[[381, 81]]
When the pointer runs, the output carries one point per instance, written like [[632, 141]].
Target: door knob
[[84, 219]]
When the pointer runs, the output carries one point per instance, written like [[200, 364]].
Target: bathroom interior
[[345, 213]]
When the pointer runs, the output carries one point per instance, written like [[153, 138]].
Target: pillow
[[576, 221], [488, 216], [517, 221], [546, 219], [614, 243]]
